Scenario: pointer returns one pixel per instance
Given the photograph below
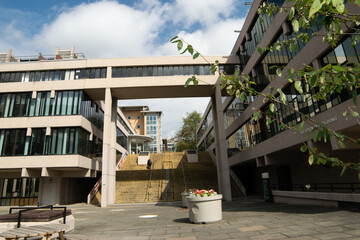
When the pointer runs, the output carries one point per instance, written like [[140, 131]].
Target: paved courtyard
[[248, 218]]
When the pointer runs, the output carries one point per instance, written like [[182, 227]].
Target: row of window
[[161, 71], [63, 103], [122, 122], [53, 75], [75, 140], [210, 138], [19, 191], [121, 138], [205, 125]]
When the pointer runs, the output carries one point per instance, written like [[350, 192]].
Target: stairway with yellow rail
[[169, 175]]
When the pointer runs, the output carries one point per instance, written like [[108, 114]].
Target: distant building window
[[138, 117], [138, 126], [129, 117]]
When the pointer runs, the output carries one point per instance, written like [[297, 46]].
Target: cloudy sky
[[123, 28]]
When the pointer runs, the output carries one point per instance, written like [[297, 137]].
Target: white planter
[[184, 200], [205, 209]]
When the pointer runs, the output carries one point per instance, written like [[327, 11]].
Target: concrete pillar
[[109, 151], [223, 169]]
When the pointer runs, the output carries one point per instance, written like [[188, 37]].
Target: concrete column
[[223, 169], [109, 152]]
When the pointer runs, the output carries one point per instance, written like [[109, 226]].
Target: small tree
[[186, 136]]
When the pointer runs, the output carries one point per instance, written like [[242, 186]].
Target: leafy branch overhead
[[338, 21], [195, 54]]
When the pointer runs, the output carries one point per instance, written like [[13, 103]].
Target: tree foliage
[[309, 82], [186, 136]]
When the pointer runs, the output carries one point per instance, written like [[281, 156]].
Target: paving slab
[[247, 219]]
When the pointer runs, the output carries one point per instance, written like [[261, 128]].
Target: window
[[138, 126], [138, 117], [129, 117]]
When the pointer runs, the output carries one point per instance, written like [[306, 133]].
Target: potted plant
[[204, 206], [184, 195]]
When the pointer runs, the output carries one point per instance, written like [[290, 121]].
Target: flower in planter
[[204, 193], [190, 191]]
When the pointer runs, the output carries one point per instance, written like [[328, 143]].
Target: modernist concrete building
[[59, 114], [60, 125], [254, 148]]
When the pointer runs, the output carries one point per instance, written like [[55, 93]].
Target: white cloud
[[204, 12], [103, 29]]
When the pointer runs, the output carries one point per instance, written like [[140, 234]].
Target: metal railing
[[25, 209], [147, 194]]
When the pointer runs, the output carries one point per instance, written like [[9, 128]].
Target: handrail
[[183, 172], [149, 183], [238, 182], [97, 185], [24, 209]]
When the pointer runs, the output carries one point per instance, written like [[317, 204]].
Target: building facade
[[60, 125], [254, 148], [145, 122]]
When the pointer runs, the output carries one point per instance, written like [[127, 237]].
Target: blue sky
[[103, 29]]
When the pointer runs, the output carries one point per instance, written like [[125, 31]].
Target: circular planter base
[[184, 200], [205, 209]]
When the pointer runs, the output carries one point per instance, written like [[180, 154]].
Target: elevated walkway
[[169, 176]]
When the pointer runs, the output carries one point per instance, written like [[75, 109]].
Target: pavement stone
[[247, 218]]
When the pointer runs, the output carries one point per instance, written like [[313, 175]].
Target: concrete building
[[249, 150], [60, 125]]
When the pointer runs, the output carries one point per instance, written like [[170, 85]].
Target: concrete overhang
[[49, 165]]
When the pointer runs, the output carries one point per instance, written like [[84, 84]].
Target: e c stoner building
[[60, 125], [59, 114]]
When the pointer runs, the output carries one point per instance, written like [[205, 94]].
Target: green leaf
[[302, 21], [345, 113], [343, 170], [180, 45], [311, 159], [196, 55], [292, 13], [341, 144], [316, 6], [355, 114], [340, 8], [303, 148], [171, 40], [301, 126], [338, 68], [278, 72], [272, 107], [298, 87], [243, 97], [357, 2], [354, 96], [312, 81], [260, 50], [282, 96], [193, 80], [295, 25], [190, 49]]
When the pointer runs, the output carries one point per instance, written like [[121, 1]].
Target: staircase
[[169, 176]]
